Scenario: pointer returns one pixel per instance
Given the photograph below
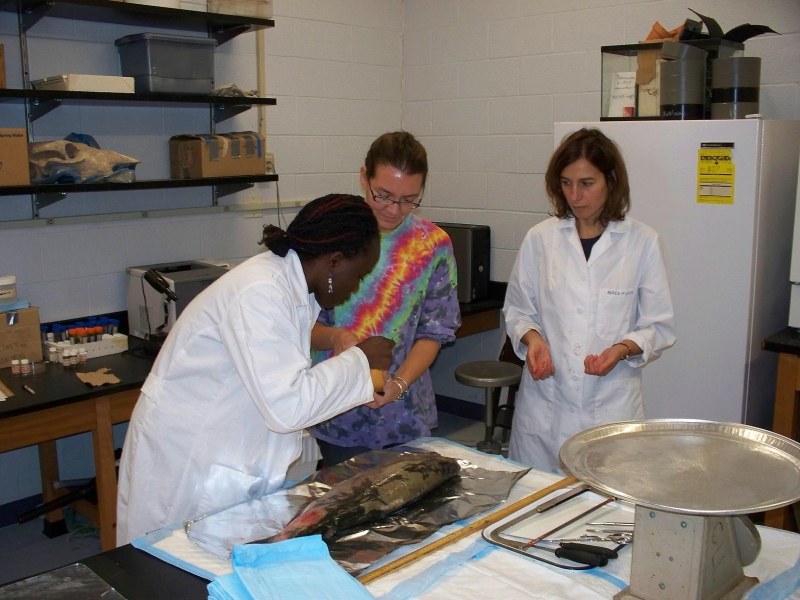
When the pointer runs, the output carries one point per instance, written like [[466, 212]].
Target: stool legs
[[488, 444]]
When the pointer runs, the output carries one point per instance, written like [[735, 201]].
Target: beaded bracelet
[[628, 348]]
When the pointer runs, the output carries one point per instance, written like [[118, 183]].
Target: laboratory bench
[[785, 420], [61, 406], [475, 570]]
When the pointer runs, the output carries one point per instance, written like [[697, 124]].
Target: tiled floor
[[25, 550]]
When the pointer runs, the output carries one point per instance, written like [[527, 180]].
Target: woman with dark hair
[[410, 297], [588, 303], [221, 414]]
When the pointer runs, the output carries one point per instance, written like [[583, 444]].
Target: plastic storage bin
[[174, 64]]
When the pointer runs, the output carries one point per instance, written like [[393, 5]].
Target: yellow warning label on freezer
[[715, 176]]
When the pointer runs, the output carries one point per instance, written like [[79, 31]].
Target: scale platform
[[689, 479]]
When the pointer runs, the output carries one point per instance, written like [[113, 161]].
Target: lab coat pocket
[[614, 310], [225, 486]]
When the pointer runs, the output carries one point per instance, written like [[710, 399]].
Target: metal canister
[[735, 85], [683, 85]]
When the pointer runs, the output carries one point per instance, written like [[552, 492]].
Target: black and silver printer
[[150, 308]]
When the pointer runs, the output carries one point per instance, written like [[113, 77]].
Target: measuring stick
[[478, 525]]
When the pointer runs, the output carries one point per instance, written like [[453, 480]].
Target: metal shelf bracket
[[230, 188], [41, 201], [224, 34], [32, 15], [223, 112], [39, 108]]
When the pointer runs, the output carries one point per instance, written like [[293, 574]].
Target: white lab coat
[[582, 307], [221, 415]]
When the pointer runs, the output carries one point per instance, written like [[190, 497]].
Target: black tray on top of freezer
[[176, 64]]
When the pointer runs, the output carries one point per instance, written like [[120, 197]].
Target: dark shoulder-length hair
[[600, 151]]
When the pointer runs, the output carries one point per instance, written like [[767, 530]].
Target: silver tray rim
[[569, 456]]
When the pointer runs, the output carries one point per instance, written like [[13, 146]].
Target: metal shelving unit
[[38, 103]]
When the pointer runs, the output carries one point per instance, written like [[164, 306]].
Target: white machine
[[149, 308]]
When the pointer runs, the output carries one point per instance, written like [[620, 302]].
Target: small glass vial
[[52, 354], [83, 354], [15, 368], [67, 359], [24, 367], [75, 359]]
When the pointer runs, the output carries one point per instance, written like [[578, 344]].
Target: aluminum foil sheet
[[474, 491]]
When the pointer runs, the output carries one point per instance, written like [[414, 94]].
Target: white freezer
[[729, 264]]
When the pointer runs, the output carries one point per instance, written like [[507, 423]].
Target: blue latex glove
[[297, 568]]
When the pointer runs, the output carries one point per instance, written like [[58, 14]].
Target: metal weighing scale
[[689, 480]]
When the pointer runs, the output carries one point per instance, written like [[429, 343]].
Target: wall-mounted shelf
[[147, 184], [43, 101], [46, 194], [220, 27]]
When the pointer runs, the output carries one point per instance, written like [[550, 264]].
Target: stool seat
[[489, 374]]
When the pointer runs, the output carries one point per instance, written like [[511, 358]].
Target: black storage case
[[472, 249]]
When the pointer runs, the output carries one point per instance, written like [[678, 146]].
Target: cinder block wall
[[480, 82]]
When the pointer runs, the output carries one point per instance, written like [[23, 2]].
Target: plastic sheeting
[[475, 490]]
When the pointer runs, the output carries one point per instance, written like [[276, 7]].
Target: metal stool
[[491, 375]]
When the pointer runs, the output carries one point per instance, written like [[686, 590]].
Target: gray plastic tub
[[168, 63]]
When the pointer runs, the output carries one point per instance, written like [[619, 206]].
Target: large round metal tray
[[688, 466]]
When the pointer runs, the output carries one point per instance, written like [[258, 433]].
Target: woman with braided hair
[[221, 415]]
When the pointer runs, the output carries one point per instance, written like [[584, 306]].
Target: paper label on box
[[623, 94]]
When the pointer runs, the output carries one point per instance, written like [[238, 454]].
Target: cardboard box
[[243, 8], [14, 157], [2, 68], [78, 82], [20, 336], [210, 155]]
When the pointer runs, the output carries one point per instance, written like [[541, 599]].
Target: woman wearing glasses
[[410, 297]]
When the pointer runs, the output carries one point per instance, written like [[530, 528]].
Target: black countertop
[[786, 341], [59, 386], [138, 575]]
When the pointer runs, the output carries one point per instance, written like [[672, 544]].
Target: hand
[[538, 358], [392, 390], [343, 340], [379, 352], [605, 363]]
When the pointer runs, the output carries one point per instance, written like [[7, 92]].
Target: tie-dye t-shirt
[[410, 294]]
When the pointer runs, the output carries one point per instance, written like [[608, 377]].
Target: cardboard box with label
[[14, 157], [210, 155], [20, 336]]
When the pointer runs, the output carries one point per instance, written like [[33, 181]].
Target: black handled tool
[[593, 559], [599, 550]]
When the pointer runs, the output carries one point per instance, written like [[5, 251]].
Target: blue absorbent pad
[[18, 305], [296, 568]]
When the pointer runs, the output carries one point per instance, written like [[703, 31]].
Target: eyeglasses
[[387, 200]]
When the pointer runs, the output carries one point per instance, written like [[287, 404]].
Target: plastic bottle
[[24, 367], [15, 368]]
